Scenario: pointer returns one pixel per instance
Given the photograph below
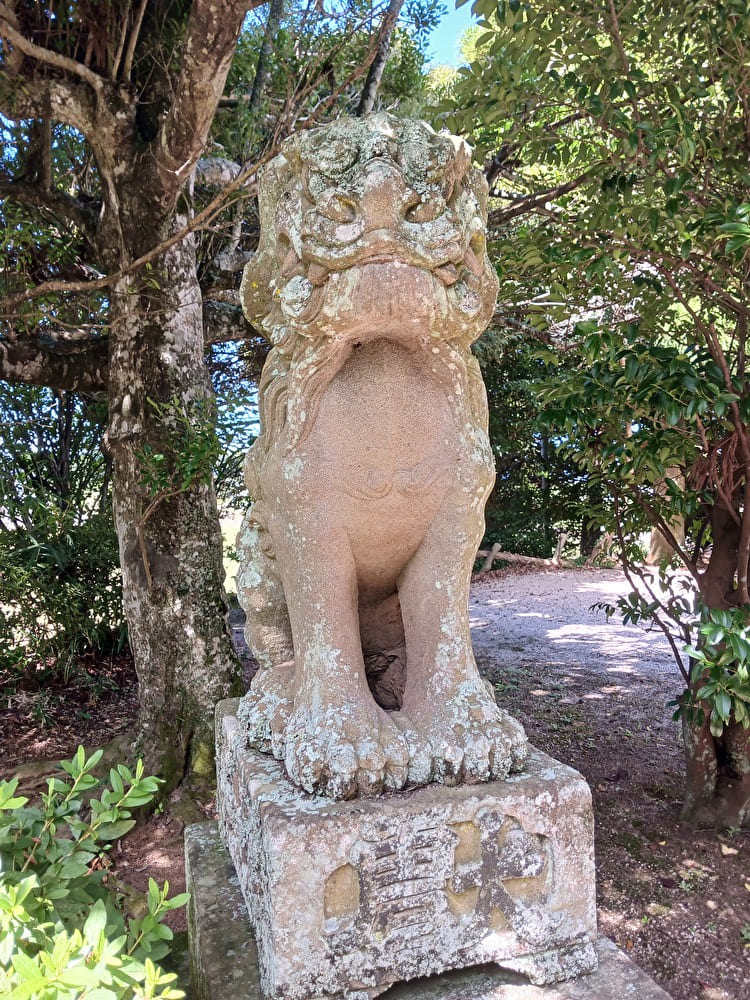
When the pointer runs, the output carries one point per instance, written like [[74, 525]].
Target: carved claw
[[346, 751], [264, 712], [466, 738]]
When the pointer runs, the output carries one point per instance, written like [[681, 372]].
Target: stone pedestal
[[347, 898], [224, 956]]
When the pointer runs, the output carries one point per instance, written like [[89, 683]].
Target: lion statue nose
[[387, 198]]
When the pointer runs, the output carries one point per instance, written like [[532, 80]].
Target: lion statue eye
[[425, 211], [338, 208]]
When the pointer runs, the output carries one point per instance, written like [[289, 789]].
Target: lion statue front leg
[[316, 713], [453, 726]]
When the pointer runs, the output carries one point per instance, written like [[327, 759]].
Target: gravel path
[[595, 693], [548, 617]]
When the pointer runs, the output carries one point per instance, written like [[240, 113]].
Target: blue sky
[[444, 39]]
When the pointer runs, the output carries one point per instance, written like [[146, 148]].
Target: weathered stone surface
[[350, 897], [221, 932], [373, 465], [223, 953]]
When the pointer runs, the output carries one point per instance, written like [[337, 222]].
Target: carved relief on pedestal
[[452, 884]]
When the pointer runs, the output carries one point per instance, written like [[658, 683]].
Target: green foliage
[[314, 52], [718, 678], [61, 933], [60, 595], [538, 491], [38, 243], [721, 667], [189, 448], [60, 591], [620, 182]]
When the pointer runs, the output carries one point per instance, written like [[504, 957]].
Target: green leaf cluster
[[190, 448], [721, 668], [62, 934], [539, 491]]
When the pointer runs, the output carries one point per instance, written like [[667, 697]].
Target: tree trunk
[[170, 548], [375, 73], [275, 13], [717, 780]]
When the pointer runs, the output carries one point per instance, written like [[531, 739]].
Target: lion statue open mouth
[[373, 465]]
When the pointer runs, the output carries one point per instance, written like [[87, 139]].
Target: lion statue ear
[[279, 206]]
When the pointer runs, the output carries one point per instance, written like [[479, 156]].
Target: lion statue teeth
[[373, 465]]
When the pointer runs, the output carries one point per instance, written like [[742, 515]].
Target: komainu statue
[[373, 465]]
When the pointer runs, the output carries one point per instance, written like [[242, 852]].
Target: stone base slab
[[348, 898], [224, 957]]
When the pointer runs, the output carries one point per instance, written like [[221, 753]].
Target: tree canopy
[[617, 149]]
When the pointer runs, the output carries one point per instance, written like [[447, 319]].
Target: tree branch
[[530, 202], [507, 156], [223, 321], [54, 200], [79, 362], [247, 178], [47, 56], [275, 14], [68, 101], [207, 54], [65, 362], [215, 171], [375, 72], [135, 32]]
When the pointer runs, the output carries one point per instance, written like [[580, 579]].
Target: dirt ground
[[590, 692]]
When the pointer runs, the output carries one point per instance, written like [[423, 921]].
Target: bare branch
[[329, 101], [629, 571], [65, 362], [47, 56], [375, 72]]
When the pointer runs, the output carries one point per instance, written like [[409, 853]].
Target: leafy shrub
[[62, 934], [60, 595], [718, 676], [721, 668], [60, 590]]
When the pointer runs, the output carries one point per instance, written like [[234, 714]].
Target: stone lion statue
[[373, 465]]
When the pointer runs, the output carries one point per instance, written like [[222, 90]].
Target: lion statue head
[[348, 209]]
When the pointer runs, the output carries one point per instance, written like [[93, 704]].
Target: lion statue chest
[[384, 450]]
